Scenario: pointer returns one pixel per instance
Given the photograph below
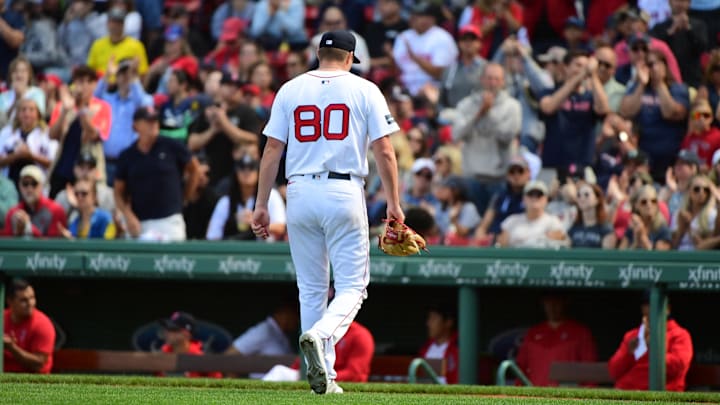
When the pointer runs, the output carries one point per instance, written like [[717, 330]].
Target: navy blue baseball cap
[[146, 113], [179, 321], [340, 39]]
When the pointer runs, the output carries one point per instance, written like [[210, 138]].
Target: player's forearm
[[269, 166], [387, 168], [30, 361]]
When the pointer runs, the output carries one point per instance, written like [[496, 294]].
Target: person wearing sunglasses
[[91, 222], [696, 219], [35, 215], [648, 228], [702, 136], [420, 192]]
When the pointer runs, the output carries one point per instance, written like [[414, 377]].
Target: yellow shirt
[[102, 50]]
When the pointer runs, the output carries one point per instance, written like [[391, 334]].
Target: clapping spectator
[[381, 34], [534, 227], [677, 179], [591, 228], [21, 86], [251, 53], [86, 169], [133, 22], [177, 55], [457, 217], [116, 45], [648, 229], [260, 75], [41, 45], [635, 46], [79, 29], [278, 21], [226, 53], [35, 215], [497, 19], [695, 221], [702, 138], [180, 107], [463, 76], [607, 64], [200, 204], [12, 24], [242, 9], [91, 222], [333, 19]]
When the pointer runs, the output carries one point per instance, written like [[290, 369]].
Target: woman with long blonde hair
[[648, 229], [695, 221]]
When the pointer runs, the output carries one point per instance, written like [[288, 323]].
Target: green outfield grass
[[88, 390]]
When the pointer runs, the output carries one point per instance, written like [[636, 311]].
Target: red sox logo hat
[[340, 39]]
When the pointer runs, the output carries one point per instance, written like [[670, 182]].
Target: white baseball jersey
[[328, 119]]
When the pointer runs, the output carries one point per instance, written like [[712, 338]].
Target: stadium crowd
[[594, 125]]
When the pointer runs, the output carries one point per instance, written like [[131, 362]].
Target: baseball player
[[327, 118]]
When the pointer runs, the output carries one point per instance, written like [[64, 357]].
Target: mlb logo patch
[[389, 119]]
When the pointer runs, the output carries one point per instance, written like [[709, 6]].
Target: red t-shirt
[[35, 335], [704, 144], [194, 349], [631, 374], [101, 116], [543, 345], [354, 353], [451, 357]]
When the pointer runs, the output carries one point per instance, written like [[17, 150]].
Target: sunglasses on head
[[646, 201], [29, 183], [698, 189], [534, 194]]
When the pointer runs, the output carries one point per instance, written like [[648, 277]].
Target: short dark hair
[[17, 285], [575, 53], [444, 309], [84, 71], [333, 54]]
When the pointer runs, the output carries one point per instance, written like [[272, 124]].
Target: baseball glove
[[398, 239]]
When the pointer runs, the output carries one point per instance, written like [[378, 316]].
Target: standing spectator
[[592, 228], [149, 189], [124, 93], [177, 55], [607, 65], [559, 338], [116, 45], [41, 45], [177, 15], [35, 215], [702, 138], [28, 334], [226, 53], [712, 84], [86, 169], [630, 364], [199, 205], [553, 61], [180, 108], [334, 19], [525, 81], [26, 141], [575, 36], [457, 217], [12, 24], [648, 229], [687, 38], [660, 106], [21, 86], [91, 222], [242, 9], [534, 227], [178, 331], [380, 35], [657, 10], [270, 337], [422, 52], [79, 29], [627, 56], [278, 21], [79, 121], [497, 19], [570, 112], [487, 122], [133, 22], [463, 76], [709, 12], [442, 341], [695, 221]]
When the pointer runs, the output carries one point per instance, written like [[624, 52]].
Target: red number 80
[[314, 123]]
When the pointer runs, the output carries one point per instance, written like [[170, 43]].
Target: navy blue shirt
[[7, 54], [589, 236], [663, 233], [154, 179], [69, 152], [505, 203], [570, 131]]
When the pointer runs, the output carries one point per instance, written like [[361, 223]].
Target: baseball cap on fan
[[179, 321], [340, 39]]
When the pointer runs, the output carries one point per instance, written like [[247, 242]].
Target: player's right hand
[[395, 212], [261, 222]]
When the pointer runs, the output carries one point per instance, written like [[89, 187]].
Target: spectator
[[276, 21], [606, 73], [79, 121], [35, 215], [296, 64], [695, 221], [251, 53], [91, 222], [711, 85], [124, 93], [507, 202], [50, 85], [448, 161], [79, 29], [21, 86], [28, 334], [180, 108], [463, 76], [149, 189], [270, 337], [333, 19], [574, 35], [629, 365], [715, 169], [558, 338], [242, 9], [497, 19], [41, 46], [220, 127], [8, 198], [86, 169], [381, 34], [420, 192], [702, 138], [687, 37], [677, 183], [553, 63], [133, 22], [178, 332], [534, 227], [418, 136], [487, 122], [178, 15], [422, 52], [457, 217], [622, 201], [525, 81], [442, 341], [12, 25], [116, 45], [422, 221], [26, 141], [592, 228], [226, 53], [570, 112], [232, 216], [562, 199], [657, 10], [260, 75], [200, 204], [648, 229], [660, 106], [177, 55]]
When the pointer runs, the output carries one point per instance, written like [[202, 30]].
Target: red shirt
[[44, 218], [35, 335], [631, 374], [451, 358], [543, 345], [354, 353], [704, 144], [101, 116], [225, 58], [480, 17], [194, 349]]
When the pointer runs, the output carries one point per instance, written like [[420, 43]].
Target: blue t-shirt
[[505, 203], [570, 131], [661, 234], [154, 179], [589, 236], [7, 54]]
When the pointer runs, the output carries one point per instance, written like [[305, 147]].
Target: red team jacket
[[35, 335], [543, 345], [452, 359], [195, 349], [45, 218], [631, 374]]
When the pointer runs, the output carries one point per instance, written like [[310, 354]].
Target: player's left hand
[[261, 222]]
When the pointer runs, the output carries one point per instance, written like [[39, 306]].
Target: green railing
[[413, 369], [466, 268], [510, 365]]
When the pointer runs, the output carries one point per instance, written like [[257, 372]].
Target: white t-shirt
[[38, 141], [437, 351], [686, 242], [265, 339], [659, 10], [525, 233], [216, 226], [328, 119], [435, 45]]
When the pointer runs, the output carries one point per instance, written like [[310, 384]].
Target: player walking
[[327, 118]]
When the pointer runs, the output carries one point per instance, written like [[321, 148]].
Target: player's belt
[[339, 176]]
